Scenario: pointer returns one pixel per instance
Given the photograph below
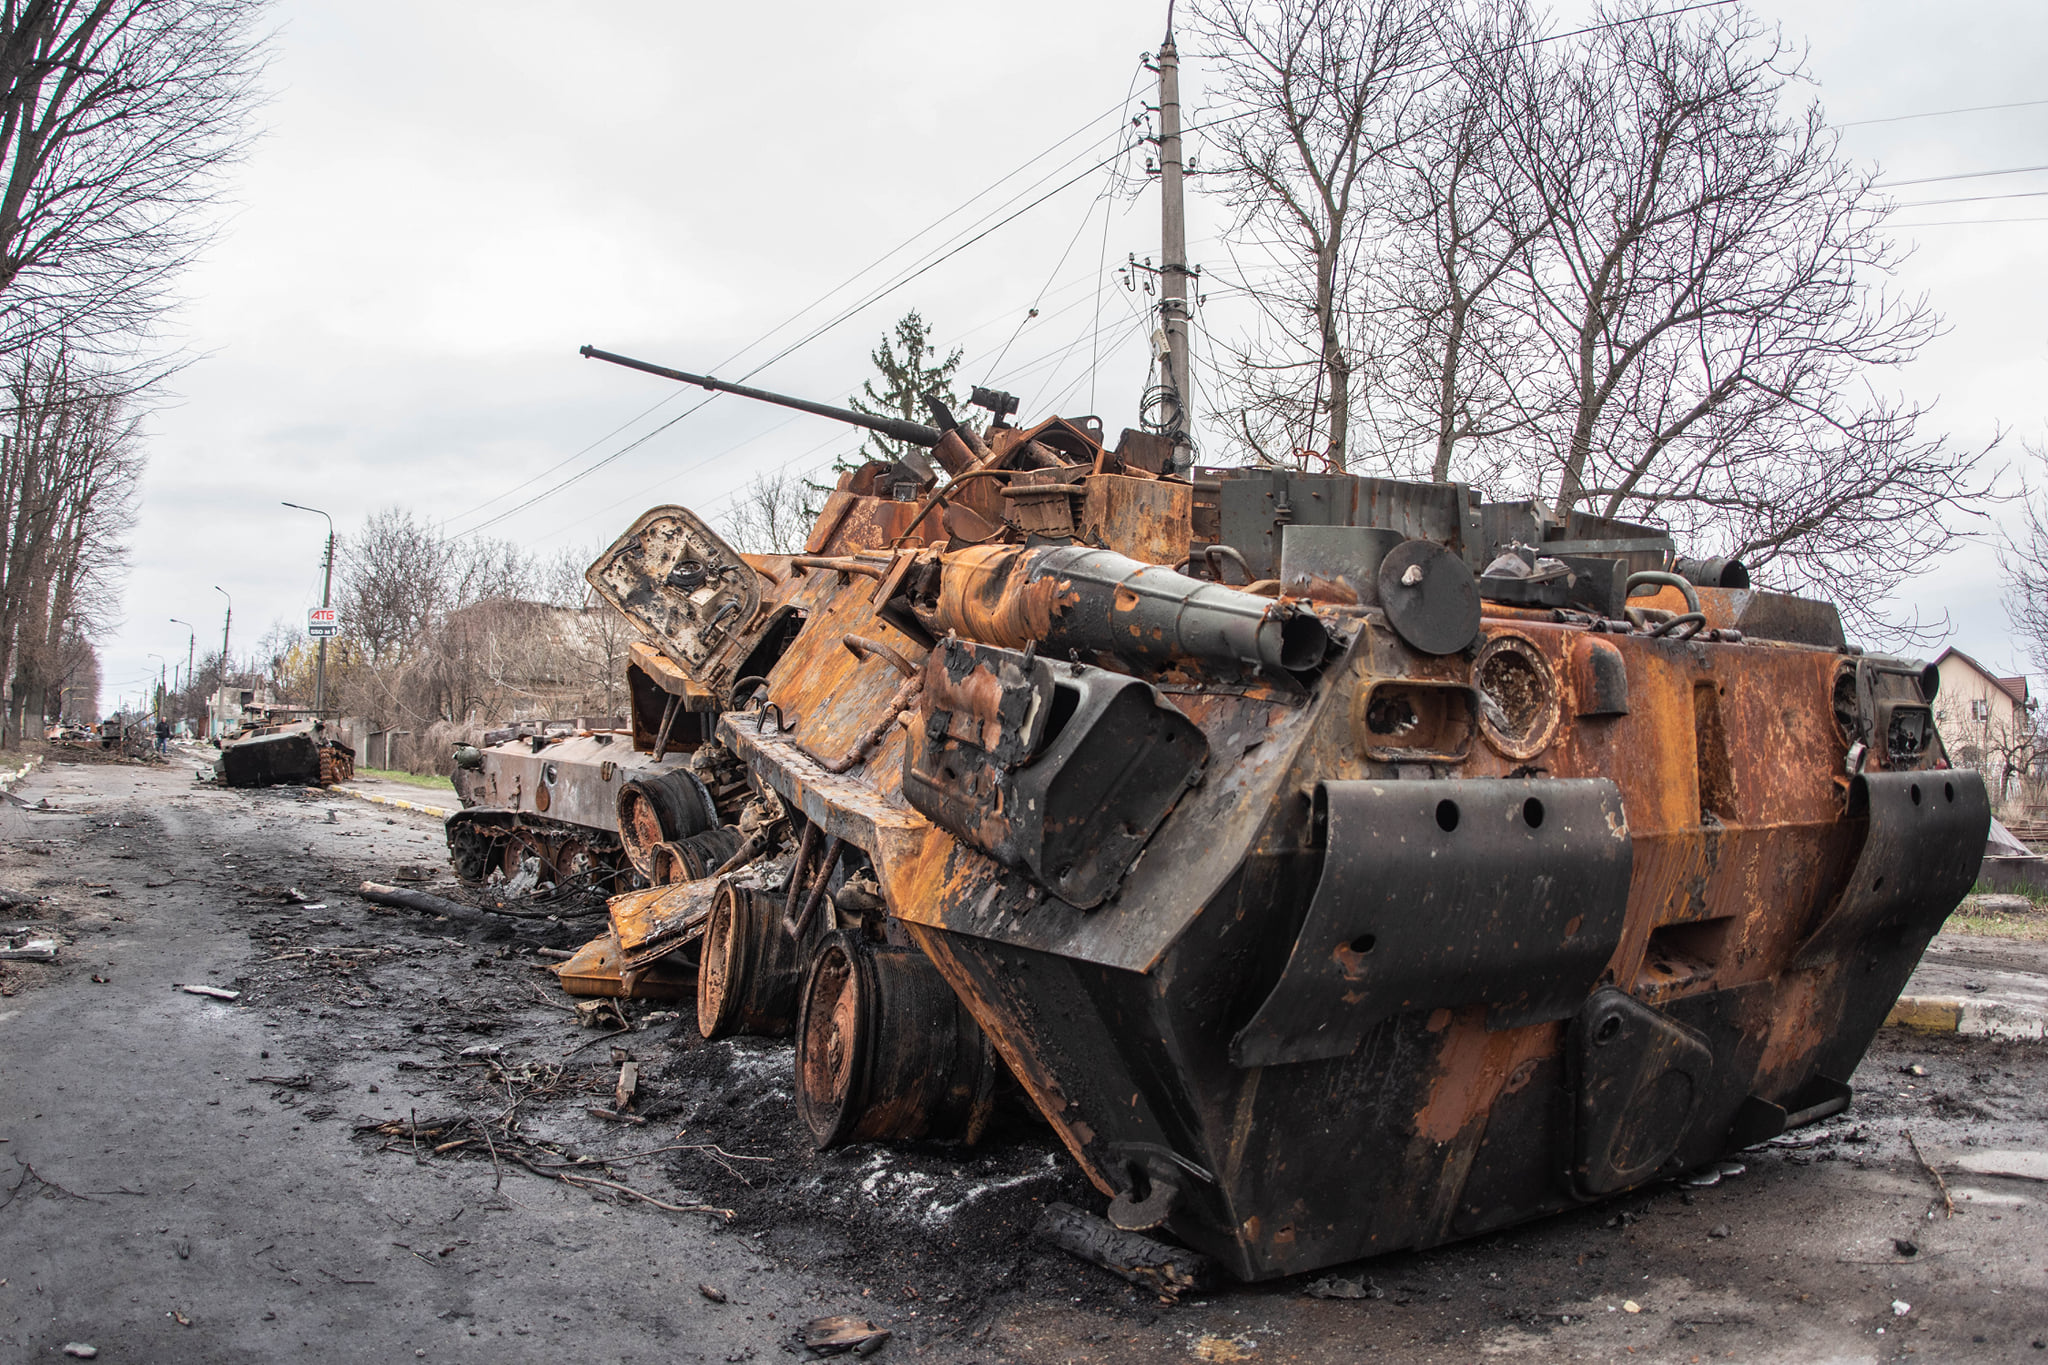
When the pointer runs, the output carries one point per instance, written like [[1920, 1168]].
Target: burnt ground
[[188, 1179]]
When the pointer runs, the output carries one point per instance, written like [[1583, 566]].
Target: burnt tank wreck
[[1337, 864]]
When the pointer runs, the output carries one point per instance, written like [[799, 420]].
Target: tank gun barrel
[[895, 428]]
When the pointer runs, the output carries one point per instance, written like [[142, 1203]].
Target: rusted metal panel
[[679, 583], [1146, 519], [597, 969], [649, 924], [574, 780], [852, 522], [1066, 782]]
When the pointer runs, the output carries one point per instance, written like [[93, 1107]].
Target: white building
[[1986, 722]]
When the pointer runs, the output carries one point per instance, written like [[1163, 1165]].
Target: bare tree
[[1709, 295], [394, 576], [117, 118], [772, 515], [1444, 274], [1618, 270], [70, 461], [464, 633], [1318, 94], [2023, 561], [71, 685]]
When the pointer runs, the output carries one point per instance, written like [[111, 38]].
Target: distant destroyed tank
[[299, 753], [1338, 864]]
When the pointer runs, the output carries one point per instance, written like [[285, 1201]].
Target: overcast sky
[[449, 198]]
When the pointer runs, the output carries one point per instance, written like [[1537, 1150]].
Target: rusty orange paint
[[985, 597]]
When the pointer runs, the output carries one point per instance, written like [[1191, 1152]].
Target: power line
[[662, 402], [1940, 113], [1059, 265], [955, 250], [813, 335], [1967, 222], [1964, 175], [1974, 199], [763, 337]]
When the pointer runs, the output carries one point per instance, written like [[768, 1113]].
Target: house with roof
[[1986, 721]]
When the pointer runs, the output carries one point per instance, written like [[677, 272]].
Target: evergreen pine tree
[[907, 368]]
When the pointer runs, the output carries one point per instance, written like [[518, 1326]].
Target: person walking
[[163, 735]]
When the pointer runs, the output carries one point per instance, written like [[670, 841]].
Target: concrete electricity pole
[[326, 590], [225, 626], [1173, 253]]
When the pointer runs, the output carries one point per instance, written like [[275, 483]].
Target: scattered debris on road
[[835, 1335], [28, 950], [1167, 1270]]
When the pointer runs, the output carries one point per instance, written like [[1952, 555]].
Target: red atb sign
[[322, 622]]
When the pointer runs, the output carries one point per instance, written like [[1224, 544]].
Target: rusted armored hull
[[1345, 1002], [1476, 866]]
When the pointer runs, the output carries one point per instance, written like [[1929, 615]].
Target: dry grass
[[1973, 917], [2033, 926]]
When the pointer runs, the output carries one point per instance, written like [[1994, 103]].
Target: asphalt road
[[185, 1179]]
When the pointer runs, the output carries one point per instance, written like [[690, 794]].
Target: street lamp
[[326, 585], [224, 628]]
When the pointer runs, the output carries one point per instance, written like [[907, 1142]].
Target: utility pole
[[326, 600], [224, 628], [1173, 253]]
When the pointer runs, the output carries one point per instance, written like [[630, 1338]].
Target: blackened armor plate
[[1443, 893]]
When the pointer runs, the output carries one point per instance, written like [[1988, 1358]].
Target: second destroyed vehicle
[[1337, 864]]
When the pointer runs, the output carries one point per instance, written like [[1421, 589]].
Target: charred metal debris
[[301, 753], [1337, 864]]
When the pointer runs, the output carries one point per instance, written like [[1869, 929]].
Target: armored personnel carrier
[[1337, 864], [598, 807]]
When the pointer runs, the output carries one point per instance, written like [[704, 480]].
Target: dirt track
[[185, 1179]]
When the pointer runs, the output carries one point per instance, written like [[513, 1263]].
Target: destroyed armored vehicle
[[300, 753], [599, 808], [1338, 864]]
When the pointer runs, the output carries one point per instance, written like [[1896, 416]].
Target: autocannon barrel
[[1072, 597], [895, 428]]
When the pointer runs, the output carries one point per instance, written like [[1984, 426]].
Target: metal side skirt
[[1919, 856], [1436, 894]]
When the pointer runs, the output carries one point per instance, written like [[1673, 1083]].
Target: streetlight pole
[[191, 646], [326, 589], [161, 669], [225, 626]]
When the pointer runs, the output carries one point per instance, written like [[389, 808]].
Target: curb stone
[[10, 776], [1970, 1018], [438, 812]]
